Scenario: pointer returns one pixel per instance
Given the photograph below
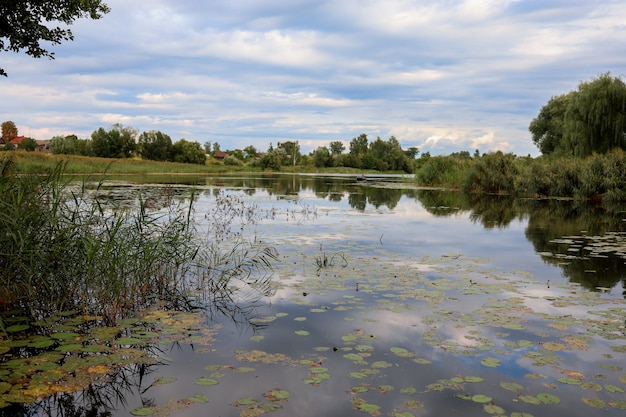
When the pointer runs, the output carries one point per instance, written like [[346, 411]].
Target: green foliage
[[322, 157], [580, 123], [28, 144], [23, 23], [493, 173], [66, 246], [118, 142], [187, 152], [441, 171], [155, 145], [233, 161]]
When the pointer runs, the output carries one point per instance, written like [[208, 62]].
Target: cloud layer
[[444, 75]]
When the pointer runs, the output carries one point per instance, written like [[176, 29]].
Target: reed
[[63, 247]]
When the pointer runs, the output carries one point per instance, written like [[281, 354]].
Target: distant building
[[220, 154]]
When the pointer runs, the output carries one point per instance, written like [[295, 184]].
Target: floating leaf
[[494, 409], [490, 362], [301, 332], [529, 399], [614, 388], [548, 398], [569, 381], [128, 341], [479, 398], [206, 381], [143, 411], [512, 386], [594, 402]]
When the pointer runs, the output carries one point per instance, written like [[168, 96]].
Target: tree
[[591, 119], [24, 24], [249, 151], [547, 127], [337, 147], [322, 157], [64, 145], [207, 147], [28, 144], [292, 152], [595, 120], [155, 145], [9, 130], [118, 142], [188, 152]]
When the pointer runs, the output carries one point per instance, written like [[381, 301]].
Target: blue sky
[[444, 76]]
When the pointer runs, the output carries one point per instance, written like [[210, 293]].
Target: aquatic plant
[[64, 246]]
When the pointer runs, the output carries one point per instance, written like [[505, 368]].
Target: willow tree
[[595, 120], [589, 120]]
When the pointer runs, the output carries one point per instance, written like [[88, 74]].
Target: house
[[219, 154], [16, 141]]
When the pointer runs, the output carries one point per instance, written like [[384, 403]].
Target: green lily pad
[[198, 398], [143, 411], [479, 398], [206, 381], [301, 332], [548, 398], [594, 402]]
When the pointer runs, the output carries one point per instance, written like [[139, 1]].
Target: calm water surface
[[394, 301]]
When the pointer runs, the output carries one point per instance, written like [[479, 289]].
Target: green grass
[[39, 162]]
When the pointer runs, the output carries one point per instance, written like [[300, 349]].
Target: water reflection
[[547, 220], [449, 315]]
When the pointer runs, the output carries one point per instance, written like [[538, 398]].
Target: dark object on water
[[361, 178]]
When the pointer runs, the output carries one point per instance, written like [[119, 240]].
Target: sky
[[442, 75]]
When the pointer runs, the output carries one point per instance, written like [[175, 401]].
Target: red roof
[[220, 154], [17, 140]]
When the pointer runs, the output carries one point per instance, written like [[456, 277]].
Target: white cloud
[[441, 75]]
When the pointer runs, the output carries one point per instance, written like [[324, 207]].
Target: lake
[[389, 300]]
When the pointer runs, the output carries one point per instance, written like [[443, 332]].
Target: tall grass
[[64, 248]]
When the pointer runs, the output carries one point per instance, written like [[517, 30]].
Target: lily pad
[[206, 381], [143, 411]]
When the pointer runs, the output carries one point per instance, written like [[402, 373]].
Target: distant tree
[[207, 147], [28, 144], [155, 145], [322, 157], [216, 147], [337, 147], [118, 142], [412, 152], [64, 145], [9, 130], [188, 152], [23, 23], [591, 119], [292, 152], [249, 152], [359, 145], [272, 159]]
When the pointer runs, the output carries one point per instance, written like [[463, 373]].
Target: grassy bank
[[39, 162], [598, 177]]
